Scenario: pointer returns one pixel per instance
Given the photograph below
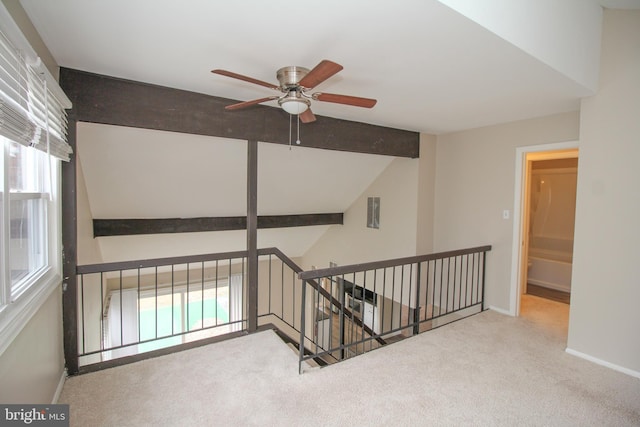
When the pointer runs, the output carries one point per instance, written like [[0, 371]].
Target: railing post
[[69, 258], [416, 311], [302, 325], [341, 296], [252, 233], [484, 264]]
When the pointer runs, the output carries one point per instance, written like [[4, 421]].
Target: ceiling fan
[[294, 83]]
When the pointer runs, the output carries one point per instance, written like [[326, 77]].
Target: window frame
[[17, 310], [35, 103]]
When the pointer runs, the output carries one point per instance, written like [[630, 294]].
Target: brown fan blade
[[307, 116], [249, 103], [320, 73], [345, 99], [245, 79]]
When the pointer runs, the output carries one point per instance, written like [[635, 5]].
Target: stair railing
[[132, 310], [357, 308]]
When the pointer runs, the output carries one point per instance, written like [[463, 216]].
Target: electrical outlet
[[505, 214]]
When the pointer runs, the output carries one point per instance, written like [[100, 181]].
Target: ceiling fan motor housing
[[289, 77]]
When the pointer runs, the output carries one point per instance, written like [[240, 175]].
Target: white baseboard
[[603, 363], [500, 310], [63, 378]]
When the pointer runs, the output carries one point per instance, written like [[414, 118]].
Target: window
[[33, 128], [29, 230], [170, 315], [27, 227]]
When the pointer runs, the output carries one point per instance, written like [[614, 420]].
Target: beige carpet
[[489, 369]]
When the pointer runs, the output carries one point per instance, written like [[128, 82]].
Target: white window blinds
[[30, 113]]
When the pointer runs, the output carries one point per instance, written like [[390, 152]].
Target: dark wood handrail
[[354, 268], [156, 262]]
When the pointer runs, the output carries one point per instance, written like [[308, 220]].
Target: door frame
[[557, 150]]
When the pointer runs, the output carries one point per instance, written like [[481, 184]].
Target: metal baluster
[[302, 333], [270, 261], [402, 294], [138, 305], [441, 281], [362, 308], [375, 305], [474, 283], [84, 338], [101, 314], [121, 332], [156, 302], [202, 296], [484, 260], [315, 309], [448, 281], [393, 299], [281, 289], [466, 281], [455, 275], [186, 326], [384, 300], [416, 314], [341, 320], [427, 290], [216, 308], [230, 293], [173, 332]]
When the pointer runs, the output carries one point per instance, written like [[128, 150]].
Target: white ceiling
[[431, 68]]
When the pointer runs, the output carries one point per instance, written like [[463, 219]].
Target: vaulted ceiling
[[434, 67], [135, 173], [431, 68]]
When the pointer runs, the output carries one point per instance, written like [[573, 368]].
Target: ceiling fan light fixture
[[294, 105], [294, 82]]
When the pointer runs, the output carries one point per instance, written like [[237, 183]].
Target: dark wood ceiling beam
[[109, 100], [127, 227]]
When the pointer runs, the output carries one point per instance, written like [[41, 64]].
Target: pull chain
[[289, 132]]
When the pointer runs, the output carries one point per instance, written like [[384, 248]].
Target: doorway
[[542, 233]]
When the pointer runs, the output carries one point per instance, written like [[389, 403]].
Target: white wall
[[426, 193], [604, 315], [32, 366], [406, 190], [569, 43], [475, 176], [88, 252], [88, 248], [353, 242]]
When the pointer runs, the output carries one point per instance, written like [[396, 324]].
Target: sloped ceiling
[[137, 173], [431, 69]]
